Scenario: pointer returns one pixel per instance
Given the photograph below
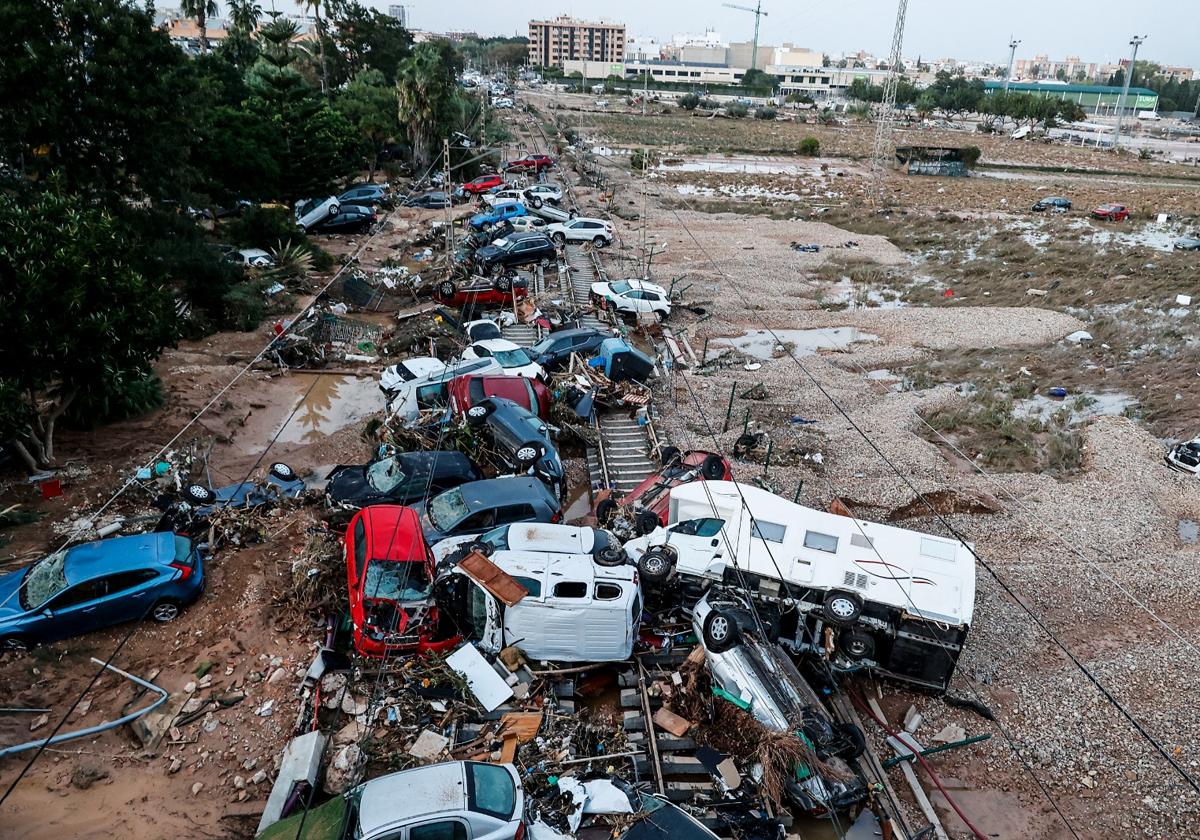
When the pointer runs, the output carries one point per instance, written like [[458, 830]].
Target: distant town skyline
[[1098, 31]]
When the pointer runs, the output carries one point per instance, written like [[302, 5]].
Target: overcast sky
[[1095, 30]]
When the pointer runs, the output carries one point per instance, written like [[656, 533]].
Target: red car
[[467, 390], [648, 503], [483, 184], [501, 290], [534, 163], [1111, 212], [390, 570]]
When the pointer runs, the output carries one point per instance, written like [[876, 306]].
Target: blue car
[[501, 212], [97, 584]]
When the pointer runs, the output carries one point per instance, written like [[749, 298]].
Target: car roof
[[540, 536], [590, 219], [521, 236], [119, 554], [493, 491], [496, 344], [644, 285], [395, 532], [551, 566], [447, 461], [401, 797]]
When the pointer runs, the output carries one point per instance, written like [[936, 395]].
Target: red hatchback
[[531, 163], [483, 184], [390, 570], [481, 291], [1111, 212], [530, 394], [647, 504]]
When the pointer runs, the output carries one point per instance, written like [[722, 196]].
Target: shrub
[[120, 398], [810, 146], [642, 157], [766, 113], [264, 227], [736, 110], [971, 155], [689, 101]]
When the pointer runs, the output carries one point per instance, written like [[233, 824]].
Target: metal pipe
[[100, 727]]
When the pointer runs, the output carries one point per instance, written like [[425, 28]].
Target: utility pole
[[881, 156], [449, 193], [1012, 53], [1135, 42]]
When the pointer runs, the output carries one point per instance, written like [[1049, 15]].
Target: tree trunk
[[321, 50], [30, 462], [64, 403], [202, 22]]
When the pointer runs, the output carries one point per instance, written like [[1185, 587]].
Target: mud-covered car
[[189, 513], [1185, 456], [645, 507], [398, 479]]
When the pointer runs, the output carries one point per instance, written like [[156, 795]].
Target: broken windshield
[[386, 475], [446, 509], [620, 287], [397, 581], [44, 580]]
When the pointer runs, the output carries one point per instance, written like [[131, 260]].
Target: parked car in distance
[[390, 572], [399, 479], [1111, 212], [251, 258], [754, 669], [520, 441], [350, 218], [496, 214], [502, 104], [98, 584], [482, 505], [436, 200], [456, 800], [482, 184], [313, 211], [481, 291], [1185, 456], [1186, 243], [1053, 203], [515, 250], [582, 229], [538, 194], [511, 356], [632, 297], [601, 103], [525, 224], [367, 195], [530, 163], [530, 394], [648, 504], [554, 350]]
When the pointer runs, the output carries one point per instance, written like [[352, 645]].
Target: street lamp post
[[1135, 41], [1012, 52]]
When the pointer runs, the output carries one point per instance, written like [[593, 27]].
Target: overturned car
[[855, 593]]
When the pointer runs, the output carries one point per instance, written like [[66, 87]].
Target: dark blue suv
[[97, 584]]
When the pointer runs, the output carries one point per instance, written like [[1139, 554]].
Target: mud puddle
[[857, 297], [333, 403], [1189, 531], [763, 345], [1079, 407]]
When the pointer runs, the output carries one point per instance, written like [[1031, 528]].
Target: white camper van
[[895, 600], [576, 610]]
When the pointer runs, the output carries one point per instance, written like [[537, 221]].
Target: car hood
[[488, 252], [600, 288], [10, 607], [349, 484]]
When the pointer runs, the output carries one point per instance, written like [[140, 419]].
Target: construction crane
[[881, 158], [759, 14]]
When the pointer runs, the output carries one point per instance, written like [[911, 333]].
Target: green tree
[[75, 316], [315, 6], [367, 39], [689, 101], [427, 91], [926, 104], [757, 82], [244, 15], [201, 10], [369, 103]]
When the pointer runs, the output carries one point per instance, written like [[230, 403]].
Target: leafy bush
[[247, 305], [736, 110], [689, 101], [971, 155], [810, 146], [118, 398], [642, 158], [766, 113], [264, 227]]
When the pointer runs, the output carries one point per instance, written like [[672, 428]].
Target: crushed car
[[645, 507], [398, 478]]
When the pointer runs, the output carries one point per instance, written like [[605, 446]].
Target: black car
[[517, 249], [399, 479], [367, 195], [483, 505], [429, 200], [1053, 203], [553, 351], [350, 218], [520, 440]]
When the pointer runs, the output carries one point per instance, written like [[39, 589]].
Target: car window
[[650, 296], [44, 580], [445, 509], [360, 548], [80, 593], [512, 358], [444, 830], [125, 581], [432, 396], [607, 591], [635, 295], [819, 541], [533, 585], [478, 521], [570, 589], [481, 351], [396, 581], [771, 531], [516, 513], [490, 790], [707, 527], [619, 287]]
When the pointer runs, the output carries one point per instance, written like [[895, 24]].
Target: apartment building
[[552, 42]]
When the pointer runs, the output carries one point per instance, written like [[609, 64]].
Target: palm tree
[[244, 15], [331, 7], [201, 10]]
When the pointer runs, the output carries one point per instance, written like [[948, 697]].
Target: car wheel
[[713, 468], [645, 522], [446, 289], [720, 632], [199, 494], [656, 566], [606, 510], [283, 472], [841, 607], [856, 644], [668, 455], [559, 239], [504, 283], [610, 555], [13, 644], [854, 743], [537, 203], [483, 548], [599, 241], [528, 454], [165, 611], [544, 262], [478, 413]]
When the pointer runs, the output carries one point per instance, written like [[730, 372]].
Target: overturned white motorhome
[[858, 593]]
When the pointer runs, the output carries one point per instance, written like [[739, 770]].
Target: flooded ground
[[326, 403], [1079, 407], [764, 345], [1189, 531], [855, 296], [752, 165]]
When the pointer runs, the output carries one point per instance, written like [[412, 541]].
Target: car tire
[[282, 472], [477, 414], [713, 468], [166, 611], [644, 522], [559, 239], [544, 262], [656, 565], [720, 632], [13, 644], [611, 555], [483, 548], [841, 608], [668, 455], [446, 289], [528, 454], [504, 283], [606, 510], [199, 494], [573, 214], [537, 203], [855, 742], [856, 644], [599, 241]]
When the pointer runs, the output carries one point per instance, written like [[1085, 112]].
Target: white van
[[425, 387], [576, 610], [898, 601]]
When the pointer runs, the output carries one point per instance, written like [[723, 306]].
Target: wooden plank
[[649, 723], [508, 749], [492, 578], [673, 723], [910, 776], [523, 726], [846, 713]]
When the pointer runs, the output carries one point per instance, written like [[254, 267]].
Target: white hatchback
[[633, 296], [512, 358]]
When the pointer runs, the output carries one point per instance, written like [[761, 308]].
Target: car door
[[76, 610], [444, 829], [652, 300], [699, 543], [476, 523], [509, 514]]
